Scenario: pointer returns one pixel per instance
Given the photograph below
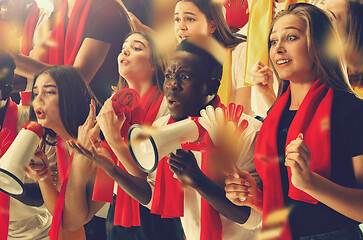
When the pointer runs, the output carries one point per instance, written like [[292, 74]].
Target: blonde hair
[[322, 37]]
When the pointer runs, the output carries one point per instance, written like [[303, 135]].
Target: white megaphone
[[166, 139], [17, 157]]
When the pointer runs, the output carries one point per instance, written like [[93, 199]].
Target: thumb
[[300, 136]]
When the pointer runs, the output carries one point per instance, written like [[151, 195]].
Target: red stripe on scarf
[[168, 198], [313, 120], [69, 38], [8, 134], [64, 163], [127, 209], [27, 42]]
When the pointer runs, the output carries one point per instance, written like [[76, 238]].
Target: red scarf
[[313, 120], [127, 209], [64, 162], [27, 41], [168, 198], [7, 136], [69, 36]]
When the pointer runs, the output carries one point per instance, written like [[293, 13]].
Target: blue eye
[[291, 37], [273, 42], [190, 19], [177, 19], [167, 76]]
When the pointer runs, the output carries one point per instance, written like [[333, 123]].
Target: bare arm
[[347, 201], [111, 125], [89, 59], [136, 187], [243, 97]]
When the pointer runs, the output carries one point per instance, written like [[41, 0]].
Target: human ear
[[212, 27]]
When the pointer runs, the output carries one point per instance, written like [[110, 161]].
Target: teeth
[[283, 61]]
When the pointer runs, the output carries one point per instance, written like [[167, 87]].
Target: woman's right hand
[[39, 170], [110, 123], [262, 77], [241, 189]]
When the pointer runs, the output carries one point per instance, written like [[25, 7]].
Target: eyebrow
[[289, 27], [46, 86], [138, 41], [191, 13]]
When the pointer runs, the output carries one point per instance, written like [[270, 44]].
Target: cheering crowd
[[277, 152]]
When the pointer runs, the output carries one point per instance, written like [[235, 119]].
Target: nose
[[172, 84], [38, 100], [280, 47], [182, 26], [125, 52]]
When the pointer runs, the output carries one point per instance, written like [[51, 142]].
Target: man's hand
[[185, 167]]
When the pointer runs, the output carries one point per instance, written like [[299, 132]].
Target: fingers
[[41, 155], [299, 146], [92, 113]]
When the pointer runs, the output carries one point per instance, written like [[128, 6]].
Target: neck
[[298, 93], [62, 133], [140, 85]]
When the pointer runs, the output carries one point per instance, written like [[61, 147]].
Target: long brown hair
[[328, 64], [213, 12], [156, 58]]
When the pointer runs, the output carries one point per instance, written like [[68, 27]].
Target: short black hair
[[208, 65]]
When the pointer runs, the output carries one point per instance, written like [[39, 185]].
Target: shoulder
[[346, 105], [240, 50]]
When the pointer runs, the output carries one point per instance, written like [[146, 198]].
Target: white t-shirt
[[192, 204], [27, 222]]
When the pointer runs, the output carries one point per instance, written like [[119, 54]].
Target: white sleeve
[[238, 65], [246, 163]]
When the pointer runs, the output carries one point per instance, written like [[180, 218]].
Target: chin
[[178, 117]]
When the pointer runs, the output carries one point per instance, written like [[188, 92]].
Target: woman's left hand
[[89, 127], [298, 158]]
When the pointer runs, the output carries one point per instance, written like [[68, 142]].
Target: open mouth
[[172, 102], [39, 114], [283, 61]]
